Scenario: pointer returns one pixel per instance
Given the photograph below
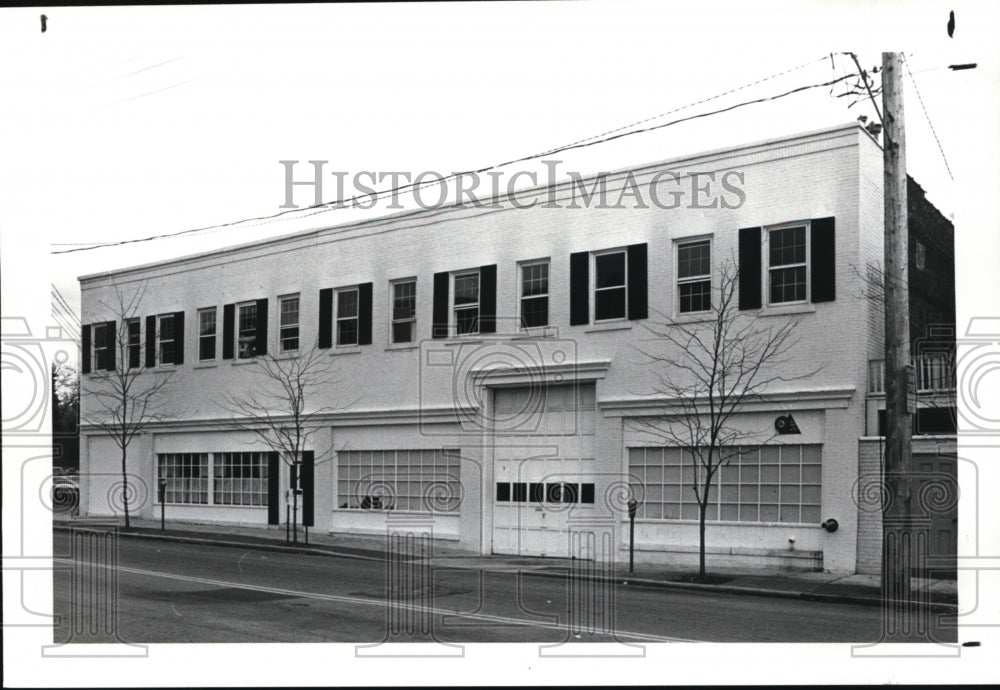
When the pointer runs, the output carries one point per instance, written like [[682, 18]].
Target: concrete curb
[[938, 607]]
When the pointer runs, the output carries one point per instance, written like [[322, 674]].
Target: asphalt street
[[172, 592]]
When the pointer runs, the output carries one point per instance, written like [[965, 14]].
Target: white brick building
[[409, 432]]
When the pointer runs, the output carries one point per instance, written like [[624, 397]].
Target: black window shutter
[[824, 264], [85, 344], [749, 277], [308, 463], [439, 328], [638, 307], [260, 341], [272, 487], [579, 287], [133, 344], [488, 299], [228, 330], [178, 337], [150, 341], [365, 314], [326, 317], [112, 341]]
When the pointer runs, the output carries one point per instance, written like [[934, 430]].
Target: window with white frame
[[404, 310], [535, 294], [466, 302], [347, 316], [787, 264], [240, 479], [165, 339], [694, 276], [610, 291], [246, 337], [773, 483], [414, 480], [134, 343], [206, 334], [186, 476], [102, 346], [288, 328]]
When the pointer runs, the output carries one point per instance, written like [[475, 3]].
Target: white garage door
[[544, 472]]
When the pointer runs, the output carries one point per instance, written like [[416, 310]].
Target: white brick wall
[[828, 173]]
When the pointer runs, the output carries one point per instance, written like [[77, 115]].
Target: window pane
[[694, 259], [467, 321], [404, 301], [166, 328], [788, 284], [534, 280], [787, 246], [290, 311], [610, 304], [347, 303], [467, 288], [402, 332], [347, 332], [207, 323], [696, 296], [610, 269], [535, 312]]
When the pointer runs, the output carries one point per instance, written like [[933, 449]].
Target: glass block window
[[776, 483], [240, 479], [186, 475], [412, 480]]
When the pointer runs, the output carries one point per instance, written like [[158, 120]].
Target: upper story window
[[289, 326], [610, 285], [166, 338], [134, 343], [207, 326], [694, 276], [787, 267], [102, 346], [347, 316], [465, 305], [535, 294], [404, 310], [246, 338]]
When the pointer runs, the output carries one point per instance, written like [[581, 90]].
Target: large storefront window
[[415, 480], [777, 483], [186, 475], [238, 479]]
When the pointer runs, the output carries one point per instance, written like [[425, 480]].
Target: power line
[[583, 143], [59, 297], [928, 118]]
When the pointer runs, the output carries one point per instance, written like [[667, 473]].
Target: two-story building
[[492, 375]]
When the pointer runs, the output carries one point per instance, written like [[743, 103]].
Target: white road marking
[[360, 601]]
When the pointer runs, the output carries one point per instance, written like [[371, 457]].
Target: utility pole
[[897, 537]]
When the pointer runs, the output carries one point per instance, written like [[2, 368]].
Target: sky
[[118, 123]]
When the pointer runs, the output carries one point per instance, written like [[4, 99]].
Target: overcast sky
[[121, 123]]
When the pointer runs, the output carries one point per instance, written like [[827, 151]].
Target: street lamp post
[[163, 504]]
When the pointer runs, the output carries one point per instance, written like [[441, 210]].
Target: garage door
[[544, 471]]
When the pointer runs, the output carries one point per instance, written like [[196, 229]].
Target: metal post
[[163, 505], [633, 506], [288, 524]]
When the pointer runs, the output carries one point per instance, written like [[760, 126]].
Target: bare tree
[[708, 370], [276, 407], [124, 398]]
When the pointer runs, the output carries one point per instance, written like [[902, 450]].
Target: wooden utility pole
[[897, 537]]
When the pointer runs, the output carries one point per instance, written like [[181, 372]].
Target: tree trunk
[[125, 488], [702, 509]]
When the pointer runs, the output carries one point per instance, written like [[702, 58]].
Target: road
[[173, 592]]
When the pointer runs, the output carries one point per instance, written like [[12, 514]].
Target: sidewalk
[[834, 587]]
